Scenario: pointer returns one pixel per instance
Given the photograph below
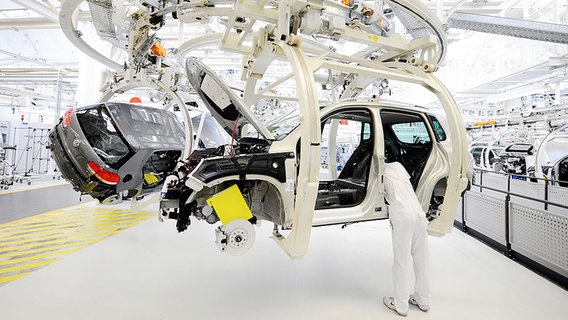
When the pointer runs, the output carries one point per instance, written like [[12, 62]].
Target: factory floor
[[88, 261]]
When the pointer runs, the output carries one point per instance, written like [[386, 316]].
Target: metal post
[[507, 224], [58, 97], [26, 173], [464, 227], [546, 194]]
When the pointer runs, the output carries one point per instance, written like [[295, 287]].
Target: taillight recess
[[103, 175]]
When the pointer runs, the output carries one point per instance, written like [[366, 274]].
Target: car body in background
[[483, 155], [116, 150], [513, 159], [552, 157]]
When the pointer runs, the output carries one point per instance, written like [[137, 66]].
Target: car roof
[[373, 103]]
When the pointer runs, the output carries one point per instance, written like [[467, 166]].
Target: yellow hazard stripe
[[47, 249], [37, 257], [58, 235], [65, 229], [28, 266], [34, 242], [38, 242], [40, 216], [10, 232], [13, 277]]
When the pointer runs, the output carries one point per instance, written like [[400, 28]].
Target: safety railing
[[523, 217]]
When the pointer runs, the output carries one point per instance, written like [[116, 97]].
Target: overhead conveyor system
[[102, 12], [534, 30], [520, 82], [419, 23], [343, 42], [40, 8], [68, 17]]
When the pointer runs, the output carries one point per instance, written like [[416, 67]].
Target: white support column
[[90, 73], [58, 93], [296, 244]]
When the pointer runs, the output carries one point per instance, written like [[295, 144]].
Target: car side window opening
[[343, 180], [563, 172], [407, 140], [438, 129], [103, 136], [492, 157], [477, 154]]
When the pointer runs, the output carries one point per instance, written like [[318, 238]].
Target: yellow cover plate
[[229, 205], [150, 178]]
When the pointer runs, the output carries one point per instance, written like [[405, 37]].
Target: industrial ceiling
[[37, 61]]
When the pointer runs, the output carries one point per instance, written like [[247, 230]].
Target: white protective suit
[[409, 238]]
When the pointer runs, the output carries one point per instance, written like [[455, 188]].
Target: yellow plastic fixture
[[229, 205], [150, 178]]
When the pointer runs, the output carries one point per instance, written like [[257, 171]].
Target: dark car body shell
[[135, 148]]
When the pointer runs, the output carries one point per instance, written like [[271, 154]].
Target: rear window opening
[[103, 136], [154, 128]]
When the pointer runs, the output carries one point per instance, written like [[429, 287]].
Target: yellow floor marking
[[37, 241], [45, 220], [28, 266], [10, 233], [15, 233], [37, 257], [52, 248], [83, 215], [14, 277], [47, 243], [72, 225], [19, 221], [65, 232], [58, 234]]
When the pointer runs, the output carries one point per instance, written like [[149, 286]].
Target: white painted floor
[[152, 272]]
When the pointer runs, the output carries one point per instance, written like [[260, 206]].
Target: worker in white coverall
[[409, 239]]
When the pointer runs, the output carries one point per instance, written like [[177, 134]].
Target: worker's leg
[[402, 229], [420, 257]]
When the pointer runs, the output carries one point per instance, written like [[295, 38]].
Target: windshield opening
[[278, 116]]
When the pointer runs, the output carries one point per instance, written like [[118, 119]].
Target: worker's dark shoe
[[423, 307], [389, 302]]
